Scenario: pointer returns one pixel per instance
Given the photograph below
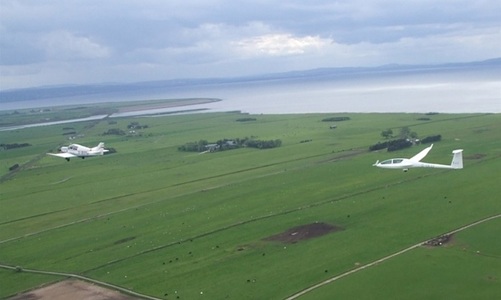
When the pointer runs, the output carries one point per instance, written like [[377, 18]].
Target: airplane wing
[[63, 155], [421, 154]]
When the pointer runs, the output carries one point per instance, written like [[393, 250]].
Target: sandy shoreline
[[167, 104]]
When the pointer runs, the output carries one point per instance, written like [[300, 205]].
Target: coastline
[[126, 109], [163, 104]]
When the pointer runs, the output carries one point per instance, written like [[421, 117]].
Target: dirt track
[[311, 288]]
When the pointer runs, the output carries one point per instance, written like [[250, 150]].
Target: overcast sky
[[49, 42]]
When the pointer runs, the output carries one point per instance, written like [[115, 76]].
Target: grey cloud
[[106, 36]]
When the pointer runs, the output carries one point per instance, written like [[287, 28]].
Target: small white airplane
[[76, 150], [415, 161]]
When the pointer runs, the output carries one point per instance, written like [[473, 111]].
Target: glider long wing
[[63, 155], [421, 154]]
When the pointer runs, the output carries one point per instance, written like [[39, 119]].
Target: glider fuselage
[[405, 163], [415, 161]]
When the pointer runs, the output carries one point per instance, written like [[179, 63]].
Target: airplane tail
[[457, 160], [99, 148]]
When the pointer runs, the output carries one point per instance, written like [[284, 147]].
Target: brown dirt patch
[[475, 156], [439, 241], [304, 232], [72, 289]]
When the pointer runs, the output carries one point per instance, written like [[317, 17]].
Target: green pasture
[[467, 268], [174, 224]]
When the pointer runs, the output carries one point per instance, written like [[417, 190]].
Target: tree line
[[14, 145], [227, 144], [391, 145], [336, 119], [406, 138]]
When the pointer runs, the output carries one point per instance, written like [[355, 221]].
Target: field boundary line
[[248, 221], [332, 279], [215, 230], [29, 234]]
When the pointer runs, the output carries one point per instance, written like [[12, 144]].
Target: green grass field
[[174, 224]]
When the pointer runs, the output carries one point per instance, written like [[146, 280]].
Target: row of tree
[[404, 133], [406, 138], [431, 139], [136, 125], [194, 146], [114, 131], [227, 144], [131, 127], [335, 119], [247, 119], [14, 146], [392, 145], [261, 144]]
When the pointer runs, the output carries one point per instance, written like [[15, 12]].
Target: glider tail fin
[[457, 160]]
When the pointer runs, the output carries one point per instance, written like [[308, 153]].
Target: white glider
[[415, 161], [76, 150]]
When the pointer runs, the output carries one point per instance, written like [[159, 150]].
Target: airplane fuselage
[[81, 151], [76, 150]]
